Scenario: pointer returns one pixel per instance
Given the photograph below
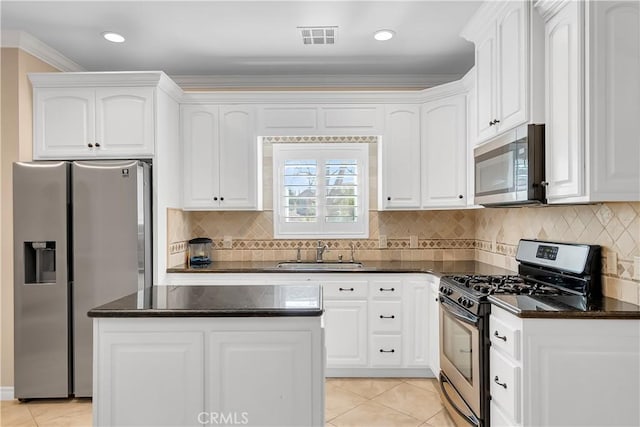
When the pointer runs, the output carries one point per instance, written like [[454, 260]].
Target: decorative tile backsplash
[[489, 235]]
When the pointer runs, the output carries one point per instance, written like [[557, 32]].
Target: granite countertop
[[217, 301], [434, 267], [565, 307]]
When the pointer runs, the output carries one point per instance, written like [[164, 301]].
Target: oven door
[[460, 360]]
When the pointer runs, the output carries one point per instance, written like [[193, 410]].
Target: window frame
[[321, 152]]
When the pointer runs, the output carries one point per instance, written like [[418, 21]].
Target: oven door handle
[[459, 314], [471, 419]]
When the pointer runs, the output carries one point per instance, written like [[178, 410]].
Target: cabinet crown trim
[[548, 8], [325, 97], [486, 13], [106, 79]]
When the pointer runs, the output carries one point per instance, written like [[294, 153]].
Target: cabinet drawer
[[385, 350], [386, 289], [386, 316], [505, 337], [344, 290], [504, 383], [499, 419]]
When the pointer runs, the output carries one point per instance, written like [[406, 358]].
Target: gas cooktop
[[498, 285]]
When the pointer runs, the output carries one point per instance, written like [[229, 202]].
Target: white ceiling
[[252, 38]]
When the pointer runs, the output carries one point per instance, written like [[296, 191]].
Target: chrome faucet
[[353, 248], [320, 249]]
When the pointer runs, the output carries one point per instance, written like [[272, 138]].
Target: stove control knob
[[442, 289], [449, 291], [461, 300], [469, 303]]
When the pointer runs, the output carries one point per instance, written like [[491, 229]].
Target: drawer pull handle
[[387, 317], [346, 289], [387, 351], [497, 335], [497, 381], [387, 289]]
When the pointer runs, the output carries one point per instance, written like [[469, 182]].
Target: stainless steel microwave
[[509, 170]]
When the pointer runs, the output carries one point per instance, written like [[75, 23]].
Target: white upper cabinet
[[124, 121], [200, 143], [93, 122], [221, 158], [399, 151], [592, 101], [95, 115], [444, 152], [423, 152], [64, 122], [320, 119], [509, 52]]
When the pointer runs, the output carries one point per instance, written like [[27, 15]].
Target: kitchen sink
[[321, 266]]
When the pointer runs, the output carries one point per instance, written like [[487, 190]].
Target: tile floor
[[384, 402], [357, 402]]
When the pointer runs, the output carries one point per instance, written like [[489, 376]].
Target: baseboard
[[379, 372], [6, 393]]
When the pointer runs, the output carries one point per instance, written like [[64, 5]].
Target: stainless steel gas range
[[556, 273]]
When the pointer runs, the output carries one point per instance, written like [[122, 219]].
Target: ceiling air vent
[[318, 35]]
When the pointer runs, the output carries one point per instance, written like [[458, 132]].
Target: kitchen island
[[210, 355]]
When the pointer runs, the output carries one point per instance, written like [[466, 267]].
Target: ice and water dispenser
[[39, 262]]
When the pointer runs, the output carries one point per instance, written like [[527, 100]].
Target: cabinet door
[[614, 100], [564, 103], [294, 120], [416, 327], [261, 375], [400, 158], [238, 158], [486, 84], [512, 65], [444, 149], [345, 333], [125, 124], [352, 119], [200, 141], [64, 122], [433, 313], [169, 363]]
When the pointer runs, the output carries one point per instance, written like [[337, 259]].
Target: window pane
[[341, 214], [299, 191]]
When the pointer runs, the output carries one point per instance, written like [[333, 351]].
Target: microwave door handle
[[471, 419], [467, 318]]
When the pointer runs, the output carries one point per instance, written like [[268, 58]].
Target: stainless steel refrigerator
[[82, 238]]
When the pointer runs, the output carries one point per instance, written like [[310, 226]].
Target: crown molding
[[28, 43], [319, 81], [548, 8], [478, 22], [362, 97]]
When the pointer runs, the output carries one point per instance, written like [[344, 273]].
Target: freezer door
[[41, 290], [111, 250]]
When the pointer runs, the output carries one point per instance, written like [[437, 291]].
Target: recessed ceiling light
[[382, 35], [113, 37]]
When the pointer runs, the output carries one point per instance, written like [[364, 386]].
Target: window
[[321, 190]]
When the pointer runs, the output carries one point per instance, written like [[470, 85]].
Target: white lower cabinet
[[386, 350], [274, 363], [378, 325], [346, 338], [416, 329], [208, 371], [563, 372], [433, 320], [363, 314], [149, 378]]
